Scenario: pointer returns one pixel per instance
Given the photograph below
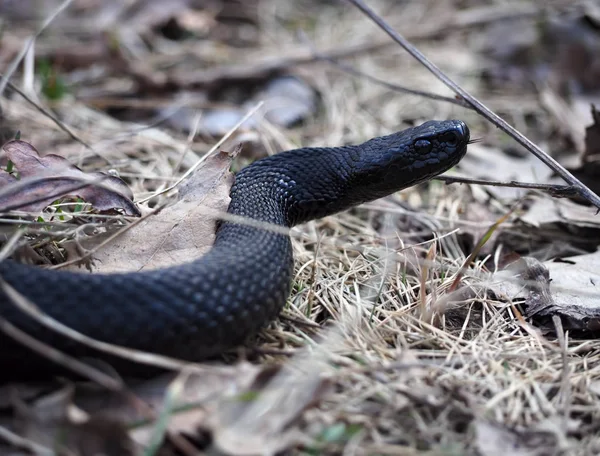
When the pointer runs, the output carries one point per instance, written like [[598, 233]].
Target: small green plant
[[53, 86], [79, 206], [336, 433]]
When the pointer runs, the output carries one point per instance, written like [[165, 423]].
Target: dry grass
[[417, 368]]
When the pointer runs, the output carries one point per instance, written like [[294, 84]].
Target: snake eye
[[423, 146], [450, 138]]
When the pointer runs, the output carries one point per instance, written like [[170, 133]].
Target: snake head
[[400, 160], [309, 183]]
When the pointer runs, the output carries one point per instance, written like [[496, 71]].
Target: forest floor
[[416, 325]]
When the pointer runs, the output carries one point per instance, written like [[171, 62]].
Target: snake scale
[[200, 309]]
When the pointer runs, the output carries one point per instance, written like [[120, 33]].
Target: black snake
[[196, 310]]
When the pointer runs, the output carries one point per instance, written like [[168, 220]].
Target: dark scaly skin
[[196, 310]]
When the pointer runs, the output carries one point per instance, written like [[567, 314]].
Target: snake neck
[[308, 183], [296, 186]]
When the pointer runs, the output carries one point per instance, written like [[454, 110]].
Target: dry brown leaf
[[198, 388], [587, 120], [179, 233], [546, 211], [561, 49], [592, 137], [575, 291], [245, 409], [570, 120], [569, 289], [43, 180], [150, 13]]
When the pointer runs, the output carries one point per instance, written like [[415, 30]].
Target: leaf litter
[[412, 368]]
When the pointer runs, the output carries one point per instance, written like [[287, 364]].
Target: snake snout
[[454, 143], [462, 129], [456, 135]]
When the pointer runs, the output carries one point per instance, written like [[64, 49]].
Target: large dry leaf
[[587, 121], [544, 212], [43, 180], [265, 422], [179, 233], [575, 285], [568, 289]]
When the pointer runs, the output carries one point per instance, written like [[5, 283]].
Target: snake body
[[200, 309]]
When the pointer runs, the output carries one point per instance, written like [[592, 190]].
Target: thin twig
[[565, 384], [478, 106], [557, 191]]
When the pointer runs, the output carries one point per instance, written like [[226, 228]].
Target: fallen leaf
[[190, 399], [570, 120], [43, 180], [288, 100], [592, 137], [569, 289], [573, 42], [562, 50], [575, 290], [588, 167], [544, 211], [261, 420], [150, 13], [178, 233]]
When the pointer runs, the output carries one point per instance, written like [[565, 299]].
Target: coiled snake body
[[199, 309]]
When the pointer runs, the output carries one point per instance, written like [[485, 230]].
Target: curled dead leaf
[[43, 180]]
